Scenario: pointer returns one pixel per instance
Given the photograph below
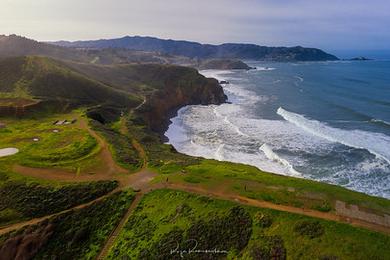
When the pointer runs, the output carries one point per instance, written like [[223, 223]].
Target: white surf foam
[[219, 153], [264, 68], [376, 143], [217, 74], [299, 78], [274, 157], [380, 121], [228, 122]]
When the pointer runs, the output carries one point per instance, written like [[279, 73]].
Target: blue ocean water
[[327, 121]]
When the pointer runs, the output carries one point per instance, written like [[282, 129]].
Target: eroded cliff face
[[179, 92]]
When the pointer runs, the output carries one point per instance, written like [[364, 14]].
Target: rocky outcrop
[[223, 64], [187, 88], [361, 58], [26, 244]]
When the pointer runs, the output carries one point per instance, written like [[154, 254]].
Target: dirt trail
[[105, 154], [136, 181], [269, 205], [137, 146], [19, 225], [111, 239]]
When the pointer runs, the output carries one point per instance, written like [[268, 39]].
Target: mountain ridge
[[199, 50]]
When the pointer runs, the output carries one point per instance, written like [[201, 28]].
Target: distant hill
[[206, 51], [223, 64], [13, 45], [48, 79]]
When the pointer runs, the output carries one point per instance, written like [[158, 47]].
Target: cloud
[[326, 24]]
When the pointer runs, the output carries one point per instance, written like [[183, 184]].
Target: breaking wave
[[376, 143], [271, 155]]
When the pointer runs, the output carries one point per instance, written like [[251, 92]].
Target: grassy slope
[[77, 234], [48, 79], [163, 210], [21, 201], [11, 46], [250, 182]]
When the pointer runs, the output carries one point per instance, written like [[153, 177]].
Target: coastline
[[187, 144]]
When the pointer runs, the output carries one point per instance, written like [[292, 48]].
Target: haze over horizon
[[334, 25]]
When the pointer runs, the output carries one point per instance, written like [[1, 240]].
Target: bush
[[8, 215], [164, 246], [34, 200], [309, 228], [273, 248], [79, 234], [263, 220], [228, 233], [324, 207]]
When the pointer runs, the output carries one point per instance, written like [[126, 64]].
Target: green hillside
[[47, 79]]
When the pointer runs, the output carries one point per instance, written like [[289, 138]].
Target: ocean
[[325, 121]]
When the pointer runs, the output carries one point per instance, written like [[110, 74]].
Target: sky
[[327, 24]]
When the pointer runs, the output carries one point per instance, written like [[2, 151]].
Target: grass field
[[166, 219], [43, 144]]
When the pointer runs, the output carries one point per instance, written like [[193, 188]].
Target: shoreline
[[273, 162]]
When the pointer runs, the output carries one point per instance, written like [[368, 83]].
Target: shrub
[[76, 234], [273, 248], [124, 152], [324, 207], [309, 228], [164, 246], [263, 220], [228, 233], [34, 200]]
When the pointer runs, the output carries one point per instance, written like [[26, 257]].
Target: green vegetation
[[166, 219], [309, 228], [121, 146], [43, 144], [48, 79], [78, 234], [69, 152], [21, 201], [162, 158], [250, 182]]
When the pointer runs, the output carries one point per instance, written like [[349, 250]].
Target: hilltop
[[13, 45], [50, 80], [205, 51]]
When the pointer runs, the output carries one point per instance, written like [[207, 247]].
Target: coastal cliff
[[185, 87]]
